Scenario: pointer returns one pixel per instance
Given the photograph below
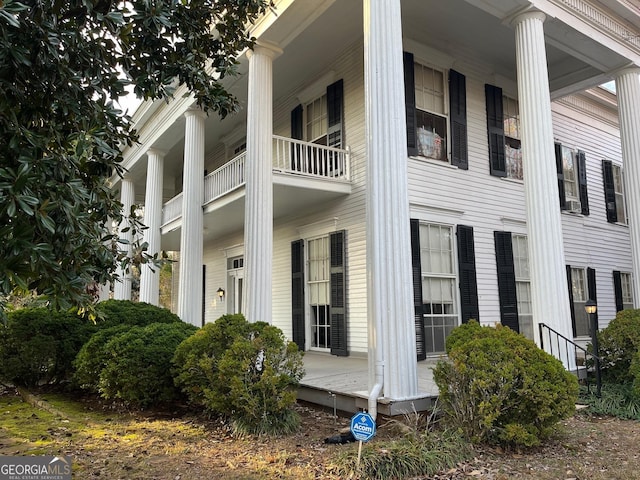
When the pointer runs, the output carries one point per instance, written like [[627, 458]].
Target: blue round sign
[[363, 426]]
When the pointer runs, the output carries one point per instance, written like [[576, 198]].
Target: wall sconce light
[[220, 293]]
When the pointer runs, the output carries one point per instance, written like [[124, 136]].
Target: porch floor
[[342, 383]]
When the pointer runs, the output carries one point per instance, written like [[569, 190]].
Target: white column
[[258, 216], [149, 274], [122, 287], [549, 291], [628, 91], [190, 287], [392, 342]]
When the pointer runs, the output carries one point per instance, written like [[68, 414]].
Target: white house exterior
[[398, 167]]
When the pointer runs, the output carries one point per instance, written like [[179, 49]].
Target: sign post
[[363, 428]]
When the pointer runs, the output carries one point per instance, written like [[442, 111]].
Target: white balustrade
[[172, 209], [225, 179]]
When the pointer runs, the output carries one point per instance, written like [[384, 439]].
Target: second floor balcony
[[305, 176]]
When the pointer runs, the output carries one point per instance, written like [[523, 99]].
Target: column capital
[[521, 17], [268, 49], [630, 70], [195, 112], [156, 152]]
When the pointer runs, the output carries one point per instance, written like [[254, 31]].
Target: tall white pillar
[[549, 291], [122, 287], [258, 216], [392, 341], [190, 287], [628, 91], [149, 274]]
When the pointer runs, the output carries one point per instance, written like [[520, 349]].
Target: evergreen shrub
[[38, 346], [498, 387], [117, 312], [246, 372], [618, 343], [137, 364]]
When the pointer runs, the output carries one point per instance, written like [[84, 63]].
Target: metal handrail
[[576, 348]]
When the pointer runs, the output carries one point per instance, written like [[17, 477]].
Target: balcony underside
[[291, 195]]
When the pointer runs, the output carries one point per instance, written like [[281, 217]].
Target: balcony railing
[[290, 156], [225, 179], [172, 209], [310, 159]]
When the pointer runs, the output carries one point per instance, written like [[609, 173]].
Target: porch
[[341, 383]]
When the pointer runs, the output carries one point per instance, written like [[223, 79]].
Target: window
[[319, 289], [316, 121], [572, 179], [235, 284], [318, 293], [618, 189], [436, 113], [580, 296], [523, 284], [627, 290], [623, 290], [512, 144], [439, 282], [431, 115]]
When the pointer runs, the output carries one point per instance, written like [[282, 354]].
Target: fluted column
[[190, 287], [150, 275], [628, 91], [392, 342], [258, 217], [122, 287], [549, 291]]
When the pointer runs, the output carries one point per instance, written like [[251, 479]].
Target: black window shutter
[[506, 280], [609, 191], [571, 307], [591, 287], [338, 303], [560, 172], [410, 103], [582, 183], [458, 111], [416, 269], [467, 272], [297, 293], [495, 130], [617, 290], [296, 123], [335, 114], [204, 289]]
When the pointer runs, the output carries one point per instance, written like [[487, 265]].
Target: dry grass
[[176, 446]]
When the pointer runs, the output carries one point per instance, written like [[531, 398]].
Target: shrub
[[499, 387], [92, 358], [38, 345], [117, 312], [618, 343], [244, 371], [137, 363]]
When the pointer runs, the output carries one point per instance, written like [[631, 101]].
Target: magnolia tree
[[63, 65]]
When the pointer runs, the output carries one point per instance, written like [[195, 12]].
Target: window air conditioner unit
[[573, 206]]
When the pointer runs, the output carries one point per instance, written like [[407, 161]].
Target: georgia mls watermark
[[35, 468]]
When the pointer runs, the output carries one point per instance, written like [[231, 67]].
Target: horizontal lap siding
[[590, 241]]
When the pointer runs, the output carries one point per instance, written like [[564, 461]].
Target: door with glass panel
[[235, 279]]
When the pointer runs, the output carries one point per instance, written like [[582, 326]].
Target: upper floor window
[[316, 121], [431, 114], [436, 113], [512, 144], [614, 192], [618, 188], [571, 170]]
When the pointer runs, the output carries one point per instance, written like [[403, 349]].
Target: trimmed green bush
[[117, 312], [38, 345], [618, 343], [92, 358], [247, 372], [137, 365], [500, 388]]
